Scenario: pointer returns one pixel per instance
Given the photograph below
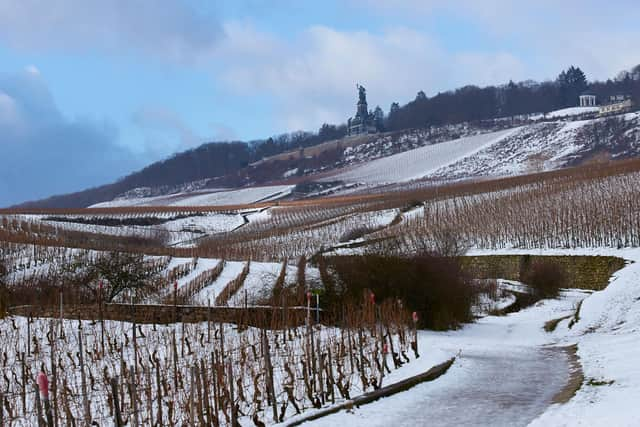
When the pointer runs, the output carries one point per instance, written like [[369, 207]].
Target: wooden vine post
[[116, 403], [414, 344], [83, 380], [271, 395]]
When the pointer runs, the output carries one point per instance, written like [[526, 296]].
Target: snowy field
[[415, 164], [217, 198], [184, 231]]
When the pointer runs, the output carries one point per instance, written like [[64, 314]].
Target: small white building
[[617, 104], [587, 100]]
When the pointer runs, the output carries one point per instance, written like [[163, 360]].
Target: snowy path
[[506, 375], [489, 388]]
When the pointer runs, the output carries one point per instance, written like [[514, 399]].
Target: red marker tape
[[43, 385]]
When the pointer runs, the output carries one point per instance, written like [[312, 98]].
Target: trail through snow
[[506, 374]]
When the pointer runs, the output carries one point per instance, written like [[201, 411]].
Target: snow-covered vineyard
[[192, 374], [279, 255]]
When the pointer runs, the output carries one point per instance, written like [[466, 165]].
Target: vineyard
[[266, 257], [195, 374]]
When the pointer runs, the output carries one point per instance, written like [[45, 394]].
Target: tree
[[121, 271], [328, 132], [572, 83], [378, 118]]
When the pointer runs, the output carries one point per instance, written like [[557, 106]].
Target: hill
[[440, 118]]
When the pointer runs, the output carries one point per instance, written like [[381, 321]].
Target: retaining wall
[[583, 272], [164, 314]]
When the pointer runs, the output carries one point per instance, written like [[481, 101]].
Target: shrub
[[545, 278], [356, 233], [434, 286]]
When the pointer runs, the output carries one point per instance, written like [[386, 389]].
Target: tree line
[[471, 103]]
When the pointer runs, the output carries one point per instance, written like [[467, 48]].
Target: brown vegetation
[[434, 286]]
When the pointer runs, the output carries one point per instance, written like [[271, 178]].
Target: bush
[[434, 286], [356, 233], [545, 278]]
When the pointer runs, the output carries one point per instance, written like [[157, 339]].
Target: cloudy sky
[[91, 90]]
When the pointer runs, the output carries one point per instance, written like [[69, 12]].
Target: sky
[[91, 90]]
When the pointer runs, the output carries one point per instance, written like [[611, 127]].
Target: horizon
[[106, 88]]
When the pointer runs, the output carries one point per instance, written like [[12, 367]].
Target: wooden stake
[[215, 378], [266, 353], [198, 385], [234, 415], [54, 374], [134, 398], [116, 403], [24, 385], [159, 388], [39, 408], [192, 398], [205, 388], [175, 360], [83, 380]]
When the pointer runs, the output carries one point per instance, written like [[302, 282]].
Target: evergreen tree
[[378, 118], [572, 82]]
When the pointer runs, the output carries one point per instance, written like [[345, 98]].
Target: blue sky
[[91, 90]]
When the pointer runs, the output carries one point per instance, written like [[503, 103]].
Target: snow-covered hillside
[[561, 138], [550, 145], [415, 164]]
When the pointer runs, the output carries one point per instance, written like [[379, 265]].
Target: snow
[[237, 197], [202, 265], [571, 111], [179, 231], [509, 369], [290, 173], [533, 148], [504, 375], [415, 164], [259, 283], [607, 336], [231, 270], [211, 198]]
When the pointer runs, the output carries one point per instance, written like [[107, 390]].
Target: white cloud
[[158, 122], [10, 119], [32, 69], [548, 35], [312, 80], [170, 30]]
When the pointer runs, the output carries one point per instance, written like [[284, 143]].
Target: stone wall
[[583, 272], [164, 314]]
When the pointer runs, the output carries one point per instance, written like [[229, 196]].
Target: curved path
[[507, 374]]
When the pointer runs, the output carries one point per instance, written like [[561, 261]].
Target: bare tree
[[122, 271]]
